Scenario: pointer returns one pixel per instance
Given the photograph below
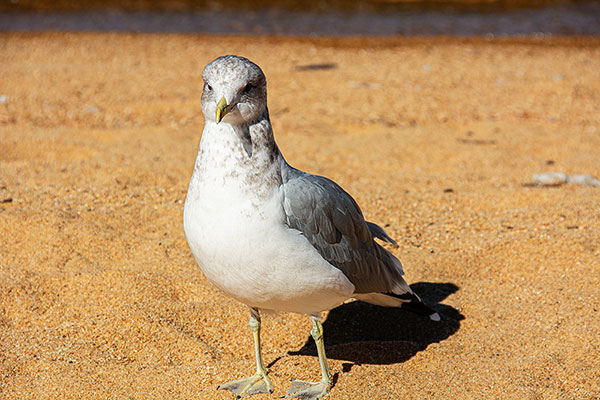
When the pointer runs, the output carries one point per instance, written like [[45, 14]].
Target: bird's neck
[[244, 156]]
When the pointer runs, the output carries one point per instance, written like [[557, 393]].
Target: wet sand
[[437, 139]]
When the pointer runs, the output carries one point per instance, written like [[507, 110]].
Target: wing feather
[[333, 223]]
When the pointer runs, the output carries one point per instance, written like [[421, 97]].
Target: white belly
[[252, 255]]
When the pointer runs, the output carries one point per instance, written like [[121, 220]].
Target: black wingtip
[[412, 302]]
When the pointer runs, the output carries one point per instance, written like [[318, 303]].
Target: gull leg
[[314, 390], [259, 382]]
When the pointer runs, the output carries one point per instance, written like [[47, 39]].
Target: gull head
[[235, 91]]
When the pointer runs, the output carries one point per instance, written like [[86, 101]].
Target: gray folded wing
[[332, 222]]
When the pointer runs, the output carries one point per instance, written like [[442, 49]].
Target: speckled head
[[235, 91]]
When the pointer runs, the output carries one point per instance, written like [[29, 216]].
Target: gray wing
[[332, 222]]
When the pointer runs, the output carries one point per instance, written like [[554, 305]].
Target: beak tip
[[222, 109]]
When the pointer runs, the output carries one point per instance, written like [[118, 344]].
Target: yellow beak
[[223, 108]]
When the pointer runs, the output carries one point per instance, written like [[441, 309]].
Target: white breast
[[244, 247]]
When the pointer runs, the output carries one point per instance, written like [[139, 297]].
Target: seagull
[[273, 237]]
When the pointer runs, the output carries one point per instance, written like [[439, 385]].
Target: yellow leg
[[259, 382], [314, 390]]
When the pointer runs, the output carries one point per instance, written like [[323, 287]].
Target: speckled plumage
[[240, 169], [271, 236]]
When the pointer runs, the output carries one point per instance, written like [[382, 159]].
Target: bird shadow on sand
[[363, 333]]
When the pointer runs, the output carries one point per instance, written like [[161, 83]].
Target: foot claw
[[307, 390]]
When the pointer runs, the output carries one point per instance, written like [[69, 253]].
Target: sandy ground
[[436, 138]]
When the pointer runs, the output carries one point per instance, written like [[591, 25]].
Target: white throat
[[237, 158]]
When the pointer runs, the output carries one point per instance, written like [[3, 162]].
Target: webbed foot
[[308, 390], [257, 383]]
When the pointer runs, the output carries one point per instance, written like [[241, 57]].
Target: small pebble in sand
[[559, 178], [550, 178], [580, 179]]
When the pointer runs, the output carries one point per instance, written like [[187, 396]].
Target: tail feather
[[408, 301], [380, 233]]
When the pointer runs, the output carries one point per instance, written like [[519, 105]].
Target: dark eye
[[208, 87], [248, 88]]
